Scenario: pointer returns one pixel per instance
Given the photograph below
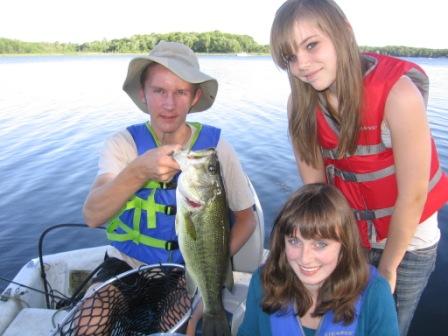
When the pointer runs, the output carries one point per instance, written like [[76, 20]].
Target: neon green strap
[[197, 127], [151, 208], [138, 204], [135, 236]]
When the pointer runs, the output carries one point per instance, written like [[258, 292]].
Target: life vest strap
[[380, 213], [360, 150], [137, 237], [435, 178], [151, 208], [161, 185], [373, 214], [332, 171]]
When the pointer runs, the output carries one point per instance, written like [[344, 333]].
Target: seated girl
[[316, 280]]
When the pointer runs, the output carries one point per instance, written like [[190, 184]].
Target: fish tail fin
[[215, 324]]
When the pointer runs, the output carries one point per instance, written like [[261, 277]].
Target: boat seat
[[39, 320], [235, 301], [250, 256], [245, 262]]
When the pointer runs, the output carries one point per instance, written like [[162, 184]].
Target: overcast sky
[[376, 23]]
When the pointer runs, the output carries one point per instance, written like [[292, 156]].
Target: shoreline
[[124, 54]]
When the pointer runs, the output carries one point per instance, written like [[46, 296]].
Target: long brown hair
[[304, 98], [317, 211]]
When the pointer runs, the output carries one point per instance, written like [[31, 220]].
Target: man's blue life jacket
[[145, 227]]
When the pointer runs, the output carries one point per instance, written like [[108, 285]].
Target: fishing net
[[151, 299]]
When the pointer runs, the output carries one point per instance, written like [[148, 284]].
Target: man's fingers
[[170, 149]]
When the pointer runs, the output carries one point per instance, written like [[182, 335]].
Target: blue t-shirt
[[378, 315]]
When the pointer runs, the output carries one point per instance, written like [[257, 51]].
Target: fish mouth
[[192, 203]]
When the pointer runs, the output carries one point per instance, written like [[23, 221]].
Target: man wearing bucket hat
[[137, 173]]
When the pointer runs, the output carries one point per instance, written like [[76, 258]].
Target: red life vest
[[367, 178]]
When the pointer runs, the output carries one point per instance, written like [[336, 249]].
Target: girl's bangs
[[283, 41], [314, 224]]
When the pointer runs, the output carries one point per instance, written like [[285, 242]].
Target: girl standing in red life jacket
[[358, 121], [316, 280]]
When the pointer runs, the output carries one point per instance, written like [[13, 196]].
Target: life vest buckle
[[347, 176], [171, 245], [168, 185], [170, 210], [329, 173], [365, 215], [330, 153]]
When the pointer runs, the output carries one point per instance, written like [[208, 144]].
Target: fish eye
[[212, 169]]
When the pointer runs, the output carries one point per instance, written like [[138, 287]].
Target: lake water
[[56, 111]]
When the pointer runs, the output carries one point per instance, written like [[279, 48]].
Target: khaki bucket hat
[[180, 60]]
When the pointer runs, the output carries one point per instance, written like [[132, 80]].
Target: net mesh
[[148, 300]]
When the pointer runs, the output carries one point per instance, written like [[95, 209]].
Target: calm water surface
[[56, 111]]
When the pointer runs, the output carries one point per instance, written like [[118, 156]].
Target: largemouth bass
[[203, 229]]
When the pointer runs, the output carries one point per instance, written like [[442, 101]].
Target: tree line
[[402, 51], [208, 42]]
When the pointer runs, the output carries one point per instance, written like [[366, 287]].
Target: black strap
[[170, 210], [168, 185], [171, 245]]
